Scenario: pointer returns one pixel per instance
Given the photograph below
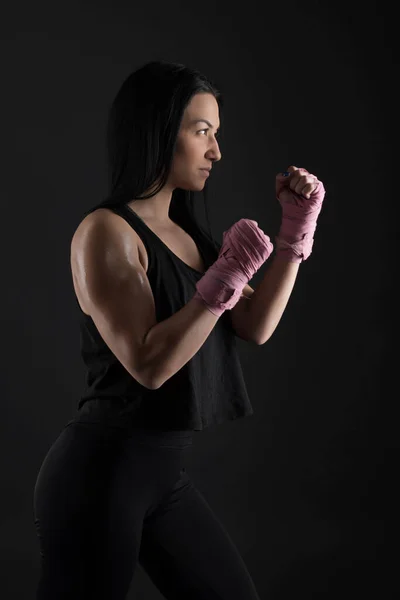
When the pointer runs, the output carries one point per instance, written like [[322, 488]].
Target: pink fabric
[[299, 219], [244, 249]]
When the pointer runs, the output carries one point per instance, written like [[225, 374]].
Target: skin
[[196, 148]]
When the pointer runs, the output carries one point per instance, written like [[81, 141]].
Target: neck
[[155, 209]]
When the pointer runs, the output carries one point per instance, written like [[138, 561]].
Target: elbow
[[155, 381], [145, 378], [149, 384], [159, 379], [261, 340], [147, 375], [155, 385]]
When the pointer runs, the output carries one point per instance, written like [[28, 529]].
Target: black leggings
[[104, 501]]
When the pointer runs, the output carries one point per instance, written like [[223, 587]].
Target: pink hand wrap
[[244, 249], [299, 221]]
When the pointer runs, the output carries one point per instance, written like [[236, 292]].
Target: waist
[[115, 414]]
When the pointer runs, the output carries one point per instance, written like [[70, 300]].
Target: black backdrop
[[300, 485]]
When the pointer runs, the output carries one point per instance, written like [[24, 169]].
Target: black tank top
[[208, 390]]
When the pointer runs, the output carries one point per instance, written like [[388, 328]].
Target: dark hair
[[142, 128]]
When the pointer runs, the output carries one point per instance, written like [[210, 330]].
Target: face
[[196, 146]]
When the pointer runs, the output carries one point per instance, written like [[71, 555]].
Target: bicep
[[116, 291]]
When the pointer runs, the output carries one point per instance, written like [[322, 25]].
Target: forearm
[[270, 297], [171, 343]]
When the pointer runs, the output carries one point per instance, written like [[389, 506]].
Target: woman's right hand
[[244, 249]]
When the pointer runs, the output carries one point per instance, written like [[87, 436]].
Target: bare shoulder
[[102, 222], [94, 220], [101, 236]]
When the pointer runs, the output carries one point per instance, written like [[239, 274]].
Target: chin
[[194, 187], [201, 184]]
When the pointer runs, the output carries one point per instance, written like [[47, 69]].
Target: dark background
[[300, 485]]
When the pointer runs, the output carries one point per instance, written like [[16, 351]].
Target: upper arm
[[115, 288]]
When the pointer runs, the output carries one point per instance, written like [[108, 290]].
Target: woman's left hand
[[301, 195], [297, 186]]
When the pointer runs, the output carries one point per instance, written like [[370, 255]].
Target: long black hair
[[142, 128]]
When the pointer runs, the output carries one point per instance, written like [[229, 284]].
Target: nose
[[214, 153]]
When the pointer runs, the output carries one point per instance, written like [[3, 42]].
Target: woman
[[160, 303]]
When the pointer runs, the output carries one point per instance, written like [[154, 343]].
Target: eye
[[207, 129]]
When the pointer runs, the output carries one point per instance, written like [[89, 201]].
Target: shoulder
[[105, 226], [102, 221], [93, 220]]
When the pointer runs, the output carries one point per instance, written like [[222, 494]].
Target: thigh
[[187, 552], [88, 509]]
